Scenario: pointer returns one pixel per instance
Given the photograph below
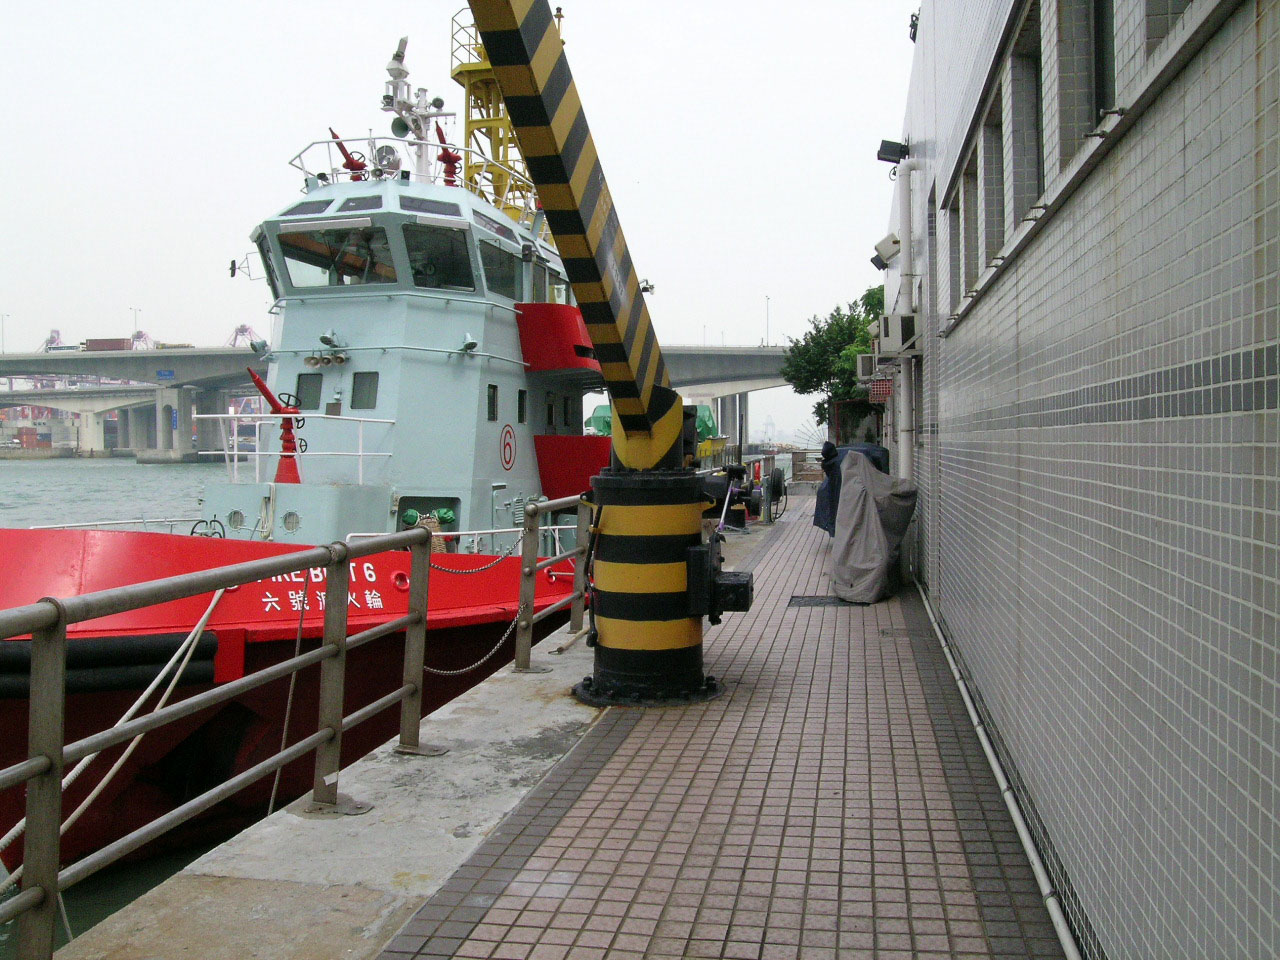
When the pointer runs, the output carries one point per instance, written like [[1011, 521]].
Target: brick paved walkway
[[833, 803]]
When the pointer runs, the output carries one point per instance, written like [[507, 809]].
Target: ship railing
[[43, 879], [233, 452], [504, 186], [531, 566], [144, 522]]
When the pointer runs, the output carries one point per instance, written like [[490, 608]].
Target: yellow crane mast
[[655, 580], [487, 129]]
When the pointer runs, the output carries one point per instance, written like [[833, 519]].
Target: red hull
[[256, 626]]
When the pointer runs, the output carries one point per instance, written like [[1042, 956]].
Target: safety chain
[[487, 566], [487, 656]]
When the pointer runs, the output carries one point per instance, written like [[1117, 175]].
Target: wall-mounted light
[[330, 339], [878, 262], [892, 152], [469, 343]]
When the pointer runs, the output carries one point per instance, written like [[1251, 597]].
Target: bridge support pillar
[[173, 428], [91, 438], [731, 415], [124, 439], [208, 435]]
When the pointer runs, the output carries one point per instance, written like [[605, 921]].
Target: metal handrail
[[36, 905], [232, 451], [526, 619], [95, 524], [519, 183]]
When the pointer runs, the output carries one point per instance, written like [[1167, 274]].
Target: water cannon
[[351, 162], [449, 158], [287, 468]]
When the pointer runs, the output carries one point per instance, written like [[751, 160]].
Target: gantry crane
[[654, 578]]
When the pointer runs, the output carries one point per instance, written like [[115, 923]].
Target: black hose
[[588, 561]]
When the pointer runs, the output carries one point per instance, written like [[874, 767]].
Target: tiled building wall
[[1100, 458]]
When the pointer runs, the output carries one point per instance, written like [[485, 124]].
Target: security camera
[[888, 248]]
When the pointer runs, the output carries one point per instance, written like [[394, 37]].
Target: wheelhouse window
[[336, 258], [360, 203], [309, 390], [265, 252], [364, 390], [501, 270], [438, 257], [557, 289], [307, 207]]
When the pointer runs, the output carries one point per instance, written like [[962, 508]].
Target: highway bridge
[[168, 385]]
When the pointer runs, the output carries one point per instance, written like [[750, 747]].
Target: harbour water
[[41, 492]]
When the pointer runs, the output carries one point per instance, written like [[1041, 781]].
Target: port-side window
[[522, 406], [264, 251], [364, 390], [565, 417], [360, 203], [336, 258], [426, 205], [438, 257], [557, 289], [493, 402], [539, 283], [307, 207], [501, 270], [309, 391], [551, 410]]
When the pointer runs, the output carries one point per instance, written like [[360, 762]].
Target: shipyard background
[[1096, 223]]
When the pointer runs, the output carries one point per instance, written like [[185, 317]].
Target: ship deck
[[835, 802]]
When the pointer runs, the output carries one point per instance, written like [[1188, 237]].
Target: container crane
[[654, 578]]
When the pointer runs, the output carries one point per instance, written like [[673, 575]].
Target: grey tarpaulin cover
[[871, 521]]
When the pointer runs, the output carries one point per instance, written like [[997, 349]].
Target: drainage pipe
[[1050, 896], [905, 300]]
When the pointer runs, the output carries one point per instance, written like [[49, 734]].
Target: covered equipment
[[871, 520]]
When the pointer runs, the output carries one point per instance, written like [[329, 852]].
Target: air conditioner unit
[[897, 333], [866, 366]]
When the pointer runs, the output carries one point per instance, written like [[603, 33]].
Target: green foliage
[[825, 359]]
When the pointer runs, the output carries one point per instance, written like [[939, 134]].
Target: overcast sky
[[144, 141]]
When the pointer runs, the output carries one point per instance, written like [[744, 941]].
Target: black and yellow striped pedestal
[[649, 643]]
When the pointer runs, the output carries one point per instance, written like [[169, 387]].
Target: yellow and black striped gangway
[[654, 579]]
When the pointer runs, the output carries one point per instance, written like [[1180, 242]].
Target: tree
[[825, 359]]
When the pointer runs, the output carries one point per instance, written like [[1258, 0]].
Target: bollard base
[[422, 750], [345, 807], [595, 694]]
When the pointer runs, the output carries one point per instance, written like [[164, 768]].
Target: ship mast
[[487, 129]]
